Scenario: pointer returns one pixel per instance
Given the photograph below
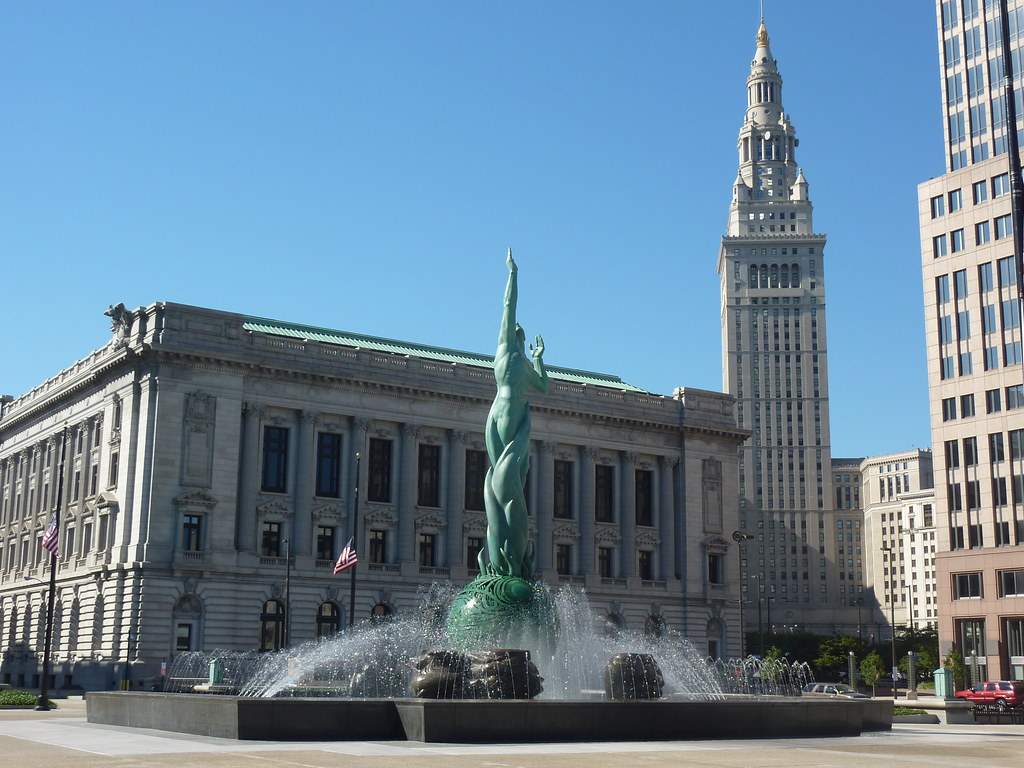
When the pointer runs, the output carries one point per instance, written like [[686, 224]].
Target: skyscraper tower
[[803, 568]]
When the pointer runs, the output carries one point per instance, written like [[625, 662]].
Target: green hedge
[[20, 698]]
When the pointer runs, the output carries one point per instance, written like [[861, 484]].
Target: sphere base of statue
[[498, 611], [501, 673]]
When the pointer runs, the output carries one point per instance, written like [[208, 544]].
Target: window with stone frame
[[325, 542], [275, 459], [644, 497], [604, 493], [427, 542], [476, 471], [191, 532], [716, 568], [270, 541], [563, 489], [645, 564], [429, 482], [605, 562], [328, 465], [379, 480], [473, 546], [378, 545], [563, 559]]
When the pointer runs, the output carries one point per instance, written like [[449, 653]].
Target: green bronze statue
[[503, 604], [507, 434]]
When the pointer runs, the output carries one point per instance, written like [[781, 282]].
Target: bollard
[[852, 671], [911, 677]]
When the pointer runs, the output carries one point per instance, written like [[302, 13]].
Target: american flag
[[50, 537], [346, 559]]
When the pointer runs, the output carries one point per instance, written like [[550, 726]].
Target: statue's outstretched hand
[[538, 346], [510, 262]]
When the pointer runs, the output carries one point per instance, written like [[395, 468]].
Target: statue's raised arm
[[507, 334]]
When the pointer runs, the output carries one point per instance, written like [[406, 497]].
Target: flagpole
[[43, 702], [355, 538], [287, 592]]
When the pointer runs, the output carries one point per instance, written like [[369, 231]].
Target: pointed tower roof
[[763, 54]]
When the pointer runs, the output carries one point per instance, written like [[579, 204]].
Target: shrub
[[16, 698]]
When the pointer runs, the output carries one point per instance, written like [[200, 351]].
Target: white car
[[834, 690]]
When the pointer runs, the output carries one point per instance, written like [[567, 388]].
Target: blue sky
[[365, 165]]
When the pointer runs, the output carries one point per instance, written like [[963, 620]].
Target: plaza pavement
[[47, 740]]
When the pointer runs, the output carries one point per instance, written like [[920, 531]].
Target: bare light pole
[[355, 540], [43, 702], [891, 594], [739, 537]]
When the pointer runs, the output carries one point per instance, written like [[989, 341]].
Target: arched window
[[775, 276], [785, 276], [272, 626], [328, 620], [794, 275], [764, 275], [187, 623], [380, 612], [753, 276]]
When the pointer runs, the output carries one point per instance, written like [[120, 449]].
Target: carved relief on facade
[[273, 508], [711, 495], [198, 439], [380, 517], [330, 512]]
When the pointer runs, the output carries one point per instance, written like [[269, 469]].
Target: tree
[[872, 669], [834, 655], [955, 664], [924, 664]]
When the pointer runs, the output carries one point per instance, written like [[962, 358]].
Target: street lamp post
[[43, 702], [739, 537], [891, 594], [287, 592], [355, 538]]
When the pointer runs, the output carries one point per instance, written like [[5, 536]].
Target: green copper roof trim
[[348, 339]]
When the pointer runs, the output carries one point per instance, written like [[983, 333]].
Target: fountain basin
[[446, 721]]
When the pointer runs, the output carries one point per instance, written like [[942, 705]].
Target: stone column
[[545, 505], [407, 495], [627, 516], [666, 519], [302, 498], [248, 478], [456, 498], [586, 510]]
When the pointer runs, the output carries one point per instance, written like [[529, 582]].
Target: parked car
[[1000, 693], [834, 690]]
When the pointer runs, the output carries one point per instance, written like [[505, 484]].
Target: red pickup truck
[[1001, 693]]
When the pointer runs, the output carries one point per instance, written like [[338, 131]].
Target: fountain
[[505, 658]]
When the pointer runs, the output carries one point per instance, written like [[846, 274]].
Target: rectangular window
[[183, 637], [993, 402], [429, 486], [86, 538], [1011, 314], [956, 200], [974, 502], [69, 543], [476, 471], [645, 564], [328, 465], [378, 545], [644, 497], [966, 366], [1016, 440], [191, 531], [94, 479], [324, 542], [988, 319], [966, 586], [938, 206], [946, 330], [956, 239], [986, 282], [942, 289], [275, 459], [1014, 396], [101, 539], [379, 479], [1000, 185], [427, 550], [270, 543], [960, 283], [604, 500], [982, 233], [716, 569], [474, 544], [1012, 352], [952, 454], [979, 191], [1002, 227], [563, 489], [563, 558], [1007, 272], [1002, 529], [1011, 583], [972, 638], [954, 497], [112, 473], [999, 493], [948, 408], [939, 247], [995, 447], [966, 406], [963, 325], [974, 531], [605, 562]]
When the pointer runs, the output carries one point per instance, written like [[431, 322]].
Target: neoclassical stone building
[[202, 446]]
